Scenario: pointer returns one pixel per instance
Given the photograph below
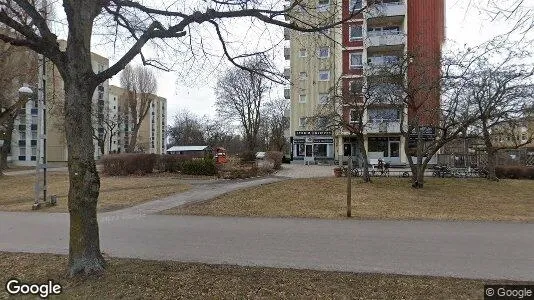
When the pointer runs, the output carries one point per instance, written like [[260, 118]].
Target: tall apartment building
[[152, 133], [342, 58], [25, 135]]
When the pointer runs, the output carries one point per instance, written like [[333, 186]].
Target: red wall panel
[[426, 33]]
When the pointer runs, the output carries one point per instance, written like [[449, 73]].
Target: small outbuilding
[[196, 151]]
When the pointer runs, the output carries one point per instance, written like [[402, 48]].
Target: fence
[[515, 157]]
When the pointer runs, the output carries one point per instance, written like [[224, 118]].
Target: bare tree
[[135, 24], [241, 95], [141, 85], [434, 110], [107, 124], [276, 122], [187, 130], [500, 89]]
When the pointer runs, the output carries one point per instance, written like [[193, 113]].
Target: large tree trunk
[[80, 84], [133, 138], [84, 247], [492, 163], [366, 176], [418, 169]]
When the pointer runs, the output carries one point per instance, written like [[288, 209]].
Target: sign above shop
[[323, 133]]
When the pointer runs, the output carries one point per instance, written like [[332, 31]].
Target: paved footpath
[[485, 250]]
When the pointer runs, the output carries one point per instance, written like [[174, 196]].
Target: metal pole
[[349, 189]]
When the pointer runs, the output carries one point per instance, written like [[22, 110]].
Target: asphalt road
[[458, 249]]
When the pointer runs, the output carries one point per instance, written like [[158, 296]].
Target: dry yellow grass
[[142, 279], [17, 192], [385, 198]]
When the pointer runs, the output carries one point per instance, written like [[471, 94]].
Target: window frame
[[324, 72], [353, 67], [327, 54], [302, 121], [354, 39], [301, 96]]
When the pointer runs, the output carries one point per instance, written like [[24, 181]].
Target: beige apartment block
[[25, 136], [151, 135]]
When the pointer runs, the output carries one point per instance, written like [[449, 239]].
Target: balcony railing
[[287, 92], [287, 73], [386, 9], [385, 38], [383, 126], [287, 53]]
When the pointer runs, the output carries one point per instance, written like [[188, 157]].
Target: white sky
[[463, 26]]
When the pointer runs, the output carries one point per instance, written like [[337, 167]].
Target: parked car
[[261, 155]]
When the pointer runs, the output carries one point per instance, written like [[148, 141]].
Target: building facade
[[342, 59], [152, 133], [29, 122]]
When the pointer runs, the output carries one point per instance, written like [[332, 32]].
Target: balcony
[[383, 126], [385, 40], [386, 8], [286, 34], [287, 92], [287, 53], [287, 73]]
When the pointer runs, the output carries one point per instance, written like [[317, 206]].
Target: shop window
[[320, 150]]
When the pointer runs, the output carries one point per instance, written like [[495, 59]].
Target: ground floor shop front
[[322, 146]]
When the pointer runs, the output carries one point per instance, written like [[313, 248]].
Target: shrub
[[514, 172], [128, 164], [201, 166], [276, 157], [170, 163], [247, 157]]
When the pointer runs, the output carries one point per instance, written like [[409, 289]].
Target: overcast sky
[[464, 26]]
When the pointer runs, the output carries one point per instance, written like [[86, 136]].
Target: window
[[303, 53], [379, 115], [378, 144], [319, 150], [22, 151], [325, 31], [353, 116], [300, 150], [355, 33], [355, 5], [302, 122], [323, 98], [34, 151], [34, 135], [323, 52], [303, 75], [322, 123], [302, 98], [324, 75], [22, 135], [355, 60], [356, 86], [322, 5]]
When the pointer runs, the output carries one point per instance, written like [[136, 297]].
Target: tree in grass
[[176, 27]]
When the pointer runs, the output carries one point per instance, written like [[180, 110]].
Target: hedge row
[[141, 164], [514, 172], [129, 164]]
